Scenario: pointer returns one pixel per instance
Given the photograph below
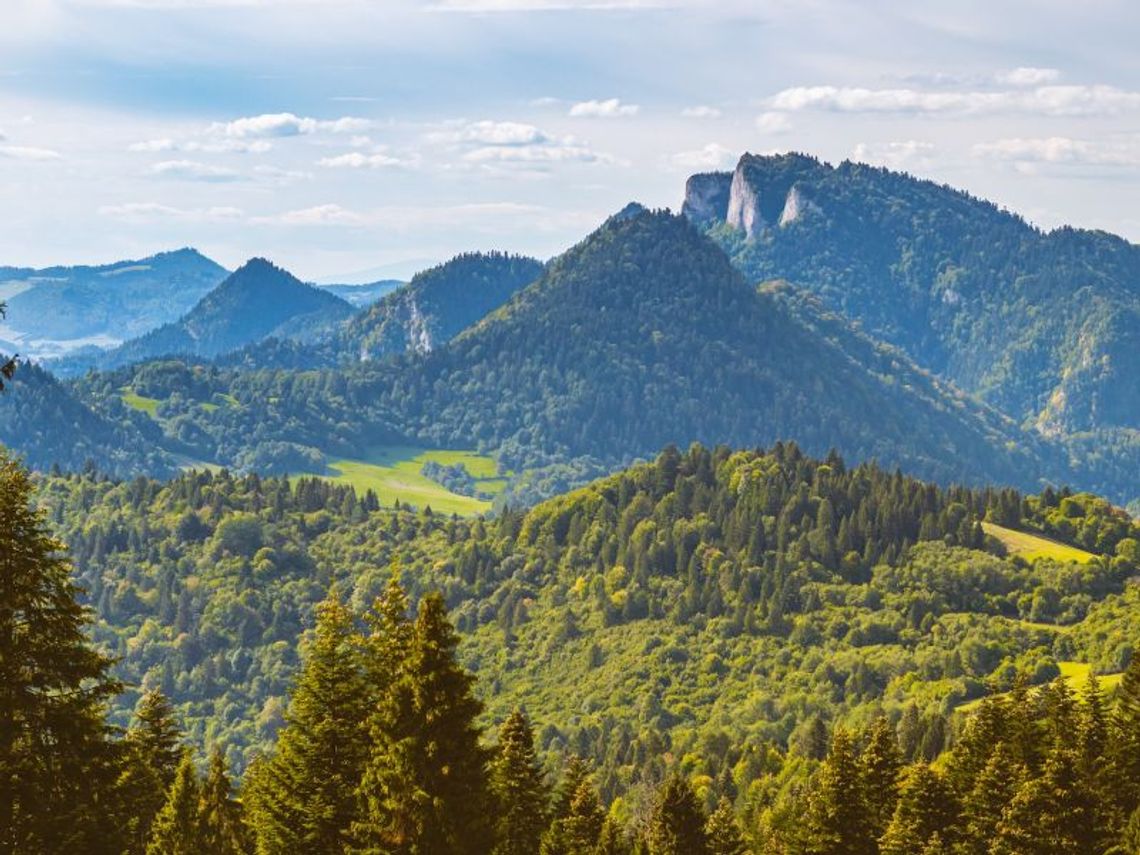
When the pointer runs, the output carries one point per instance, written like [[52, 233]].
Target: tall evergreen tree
[[304, 797], [838, 820], [993, 790], [612, 840], [1124, 735], [881, 765], [57, 767], [220, 815], [520, 790], [151, 754], [677, 824], [177, 830], [927, 807], [425, 786], [1051, 814], [723, 833]]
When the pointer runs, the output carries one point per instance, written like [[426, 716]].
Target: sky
[[357, 139]]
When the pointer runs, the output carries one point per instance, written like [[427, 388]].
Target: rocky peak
[[763, 191], [706, 197]]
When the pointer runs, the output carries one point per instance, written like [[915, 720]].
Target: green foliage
[[677, 824], [723, 831], [519, 788], [177, 829]]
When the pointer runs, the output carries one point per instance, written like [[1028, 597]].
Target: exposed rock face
[[744, 204], [706, 197], [796, 206]]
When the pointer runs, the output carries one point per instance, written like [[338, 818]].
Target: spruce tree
[[150, 756], [723, 833], [1124, 735], [677, 824], [612, 840], [57, 766], [220, 815], [157, 734], [1051, 814], [927, 806], [177, 830], [425, 785], [881, 765], [838, 819], [521, 794], [993, 790], [304, 797]]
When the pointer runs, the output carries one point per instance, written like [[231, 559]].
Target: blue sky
[[348, 136]]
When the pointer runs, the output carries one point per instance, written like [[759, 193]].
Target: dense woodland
[[384, 745]]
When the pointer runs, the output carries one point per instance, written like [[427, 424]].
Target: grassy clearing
[[139, 402], [1033, 546], [393, 472], [1075, 674]]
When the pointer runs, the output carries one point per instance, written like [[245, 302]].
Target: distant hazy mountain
[[257, 301], [1044, 325], [437, 304], [60, 309], [363, 295]]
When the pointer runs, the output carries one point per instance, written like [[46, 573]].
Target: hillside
[[49, 426], [436, 305], [363, 295], [1041, 325], [59, 309], [255, 302], [708, 599]]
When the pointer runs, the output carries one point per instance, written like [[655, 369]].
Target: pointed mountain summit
[[255, 302], [644, 335]]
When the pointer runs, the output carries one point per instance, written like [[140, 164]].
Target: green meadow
[[1033, 546]]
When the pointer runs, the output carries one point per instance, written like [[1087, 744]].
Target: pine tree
[[151, 754], [57, 766], [1051, 814], [677, 824], [612, 840], [1125, 741], [837, 820], [177, 829], [723, 833], [304, 797], [425, 785], [220, 816], [521, 794], [881, 765], [926, 807], [993, 790]]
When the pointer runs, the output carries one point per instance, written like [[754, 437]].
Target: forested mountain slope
[[708, 600], [1042, 325], [639, 336]]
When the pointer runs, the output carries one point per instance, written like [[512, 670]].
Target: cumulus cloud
[[901, 154], [773, 123], [711, 156], [1041, 100], [610, 108], [359, 160], [146, 212], [1057, 150], [701, 111], [219, 146], [319, 215], [268, 125], [1027, 76], [490, 142], [193, 170], [27, 152]]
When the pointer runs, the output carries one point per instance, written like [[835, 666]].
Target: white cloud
[[773, 123], [26, 152], [220, 146], [1027, 76], [277, 175], [1122, 152], [358, 160], [287, 125], [711, 156], [193, 170], [534, 154], [489, 142], [146, 212], [319, 215], [487, 132], [902, 154], [701, 111], [607, 109], [547, 5], [1043, 100]]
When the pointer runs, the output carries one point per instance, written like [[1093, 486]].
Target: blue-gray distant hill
[[257, 301], [56, 310]]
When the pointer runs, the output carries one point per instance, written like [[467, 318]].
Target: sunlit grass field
[[1033, 546]]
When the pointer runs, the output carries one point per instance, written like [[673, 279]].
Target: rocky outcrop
[[796, 206], [706, 197], [744, 204]]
